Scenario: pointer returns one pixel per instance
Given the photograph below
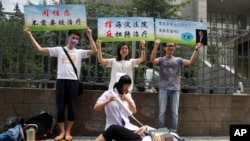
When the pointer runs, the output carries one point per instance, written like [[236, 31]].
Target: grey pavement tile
[[189, 138]]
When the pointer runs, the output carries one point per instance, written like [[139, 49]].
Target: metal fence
[[220, 66]]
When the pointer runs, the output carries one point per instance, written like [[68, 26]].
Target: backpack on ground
[[42, 124]]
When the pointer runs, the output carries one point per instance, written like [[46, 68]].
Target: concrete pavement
[[189, 138]]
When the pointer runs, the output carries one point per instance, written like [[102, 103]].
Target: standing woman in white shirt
[[115, 113], [122, 63]]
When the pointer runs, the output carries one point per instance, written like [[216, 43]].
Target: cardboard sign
[[55, 17], [126, 29], [178, 31]]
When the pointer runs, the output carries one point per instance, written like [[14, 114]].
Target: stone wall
[[199, 114]]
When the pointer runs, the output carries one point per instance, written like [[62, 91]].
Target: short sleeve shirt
[[170, 73], [115, 113], [64, 68], [123, 66]]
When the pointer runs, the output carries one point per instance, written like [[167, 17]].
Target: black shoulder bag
[[80, 89]]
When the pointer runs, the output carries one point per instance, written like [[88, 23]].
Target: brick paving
[[191, 138]]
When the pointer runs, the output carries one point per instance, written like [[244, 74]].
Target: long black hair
[[125, 79], [119, 57]]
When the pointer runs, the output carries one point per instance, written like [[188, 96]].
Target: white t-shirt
[[64, 68], [123, 66], [115, 113]]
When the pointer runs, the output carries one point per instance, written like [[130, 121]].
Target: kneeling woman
[[115, 113], [119, 133]]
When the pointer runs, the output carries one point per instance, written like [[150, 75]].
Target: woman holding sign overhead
[[122, 63]]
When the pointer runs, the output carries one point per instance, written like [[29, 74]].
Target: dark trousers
[[120, 133], [66, 94]]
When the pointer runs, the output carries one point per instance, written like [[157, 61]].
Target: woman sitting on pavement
[[115, 113], [118, 126], [119, 133]]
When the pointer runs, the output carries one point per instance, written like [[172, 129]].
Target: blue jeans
[[4, 136], [174, 97], [12, 134]]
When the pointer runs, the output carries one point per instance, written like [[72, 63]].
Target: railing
[[219, 68]]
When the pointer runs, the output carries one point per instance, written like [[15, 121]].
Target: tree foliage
[[158, 8], [95, 8], [213, 51], [43, 2]]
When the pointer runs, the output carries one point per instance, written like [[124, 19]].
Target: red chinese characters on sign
[[56, 12], [66, 12], [45, 12], [108, 24], [109, 34]]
